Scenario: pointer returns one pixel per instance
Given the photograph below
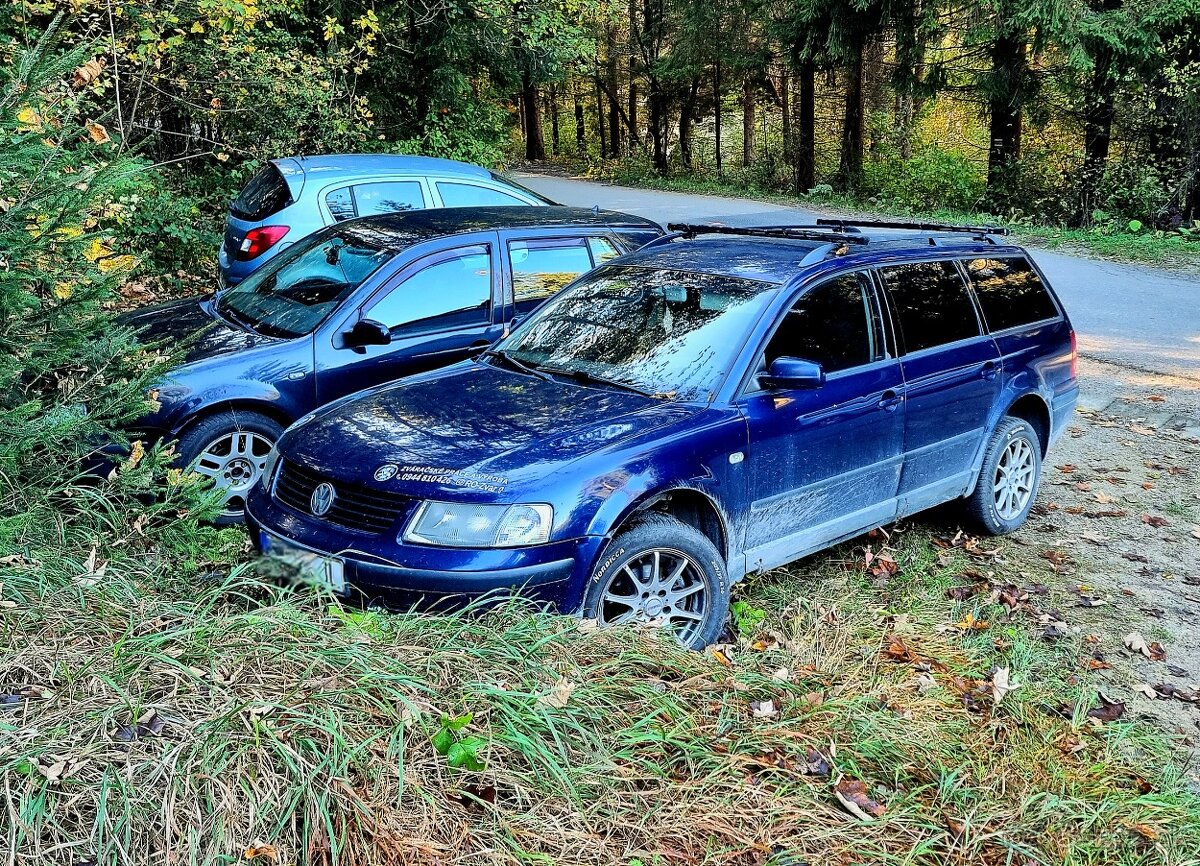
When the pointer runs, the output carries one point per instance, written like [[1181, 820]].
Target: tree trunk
[[580, 127], [785, 115], [687, 112], [851, 157], [1098, 112], [612, 89], [535, 144], [658, 124], [553, 102], [1008, 74], [748, 120], [600, 117], [806, 134], [632, 111], [717, 112]]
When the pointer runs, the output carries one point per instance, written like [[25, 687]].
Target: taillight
[[258, 241], [1074, 356]]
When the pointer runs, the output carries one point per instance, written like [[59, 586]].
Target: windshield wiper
[[522, 366], [585, 376], [230, 313]]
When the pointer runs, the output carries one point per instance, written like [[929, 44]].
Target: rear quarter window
[[267, 193], [1010, 292]]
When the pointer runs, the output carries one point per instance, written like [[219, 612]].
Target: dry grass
[[279, 719]]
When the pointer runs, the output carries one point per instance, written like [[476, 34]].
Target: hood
[[471, 432], [190, 325]]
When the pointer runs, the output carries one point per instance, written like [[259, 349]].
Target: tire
[[998, 506], [685, 559], [231, 448]]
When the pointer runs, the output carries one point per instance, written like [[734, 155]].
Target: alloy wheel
[[660, 585], [1013, 485], [235, 462]]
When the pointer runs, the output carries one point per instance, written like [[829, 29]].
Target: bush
[[933, 179]]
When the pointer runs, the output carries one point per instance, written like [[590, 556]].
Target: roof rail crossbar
[[795, 233], [847, 224]]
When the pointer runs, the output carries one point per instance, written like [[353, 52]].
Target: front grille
[[362, 509]]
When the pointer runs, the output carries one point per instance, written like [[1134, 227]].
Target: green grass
[[1171, 249], [294, 722]]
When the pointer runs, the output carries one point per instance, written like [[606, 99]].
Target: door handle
[[989, 370], [890, 400]]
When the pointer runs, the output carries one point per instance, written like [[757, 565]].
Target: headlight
[[459, 524], [268, 472]]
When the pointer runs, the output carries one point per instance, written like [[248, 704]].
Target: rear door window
[[372, 199], [454, 290], [602, 250], [542, 266], [1010, 292], [831, 324], [267, 193], [931, 303], [469, 195]]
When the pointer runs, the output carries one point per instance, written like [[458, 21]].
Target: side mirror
[[367, 332], [793, 373]]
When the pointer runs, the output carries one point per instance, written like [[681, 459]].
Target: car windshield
[[663, 332], [291, 295]]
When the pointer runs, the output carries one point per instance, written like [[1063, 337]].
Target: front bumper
[[416, 575]]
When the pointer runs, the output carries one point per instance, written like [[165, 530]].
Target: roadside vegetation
[[161, 700], [1109, 235]]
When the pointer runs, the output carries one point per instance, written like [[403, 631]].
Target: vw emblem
[[386, 472], [322, 499]]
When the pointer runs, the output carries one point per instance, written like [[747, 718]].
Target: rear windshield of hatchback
[[267, 193]]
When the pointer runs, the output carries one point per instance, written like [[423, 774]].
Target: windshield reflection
[[662, 332], [292, 295]]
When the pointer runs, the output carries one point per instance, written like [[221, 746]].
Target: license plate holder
[[310, 566]]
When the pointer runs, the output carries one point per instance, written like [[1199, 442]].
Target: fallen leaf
[[1154, 520], [852, 794], [97, 132], [1105, 498], [969, 623], [261, 849], [816, 763], [1001, 685], [1145, 690], [1136, 643], [559, 695], [1144, 830], [1108, 711], [1142, 430], [763, 709], [87, 73]]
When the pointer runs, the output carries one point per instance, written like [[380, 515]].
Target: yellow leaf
[[197, 27], [136, 452], [62, 291], [29, 119], [88, 73], [263, 850], [96, 251], [112, 264]]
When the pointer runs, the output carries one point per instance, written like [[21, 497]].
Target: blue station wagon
[[355, 305], [289, 199], [721, 402]]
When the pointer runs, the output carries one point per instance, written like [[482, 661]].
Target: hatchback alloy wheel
[[235, 462]]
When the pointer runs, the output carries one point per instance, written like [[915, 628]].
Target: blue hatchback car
[[355, 305], [721, 402], [289, 199]]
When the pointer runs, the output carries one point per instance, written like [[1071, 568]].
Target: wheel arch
[[687, 504], [235, 404], [1032, 408]]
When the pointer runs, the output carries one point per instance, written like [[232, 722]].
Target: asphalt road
[[1134, 315]]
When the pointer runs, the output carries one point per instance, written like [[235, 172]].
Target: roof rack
[[852, 224], [795, 233]]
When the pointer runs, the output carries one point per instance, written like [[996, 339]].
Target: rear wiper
[[585, 376], [513, 362]]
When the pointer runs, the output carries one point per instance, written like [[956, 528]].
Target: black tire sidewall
[[200, 435], [983, 500], [663, 531]]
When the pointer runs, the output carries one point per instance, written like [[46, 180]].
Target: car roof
[[398, 231], [371, 163], [778, 260]]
